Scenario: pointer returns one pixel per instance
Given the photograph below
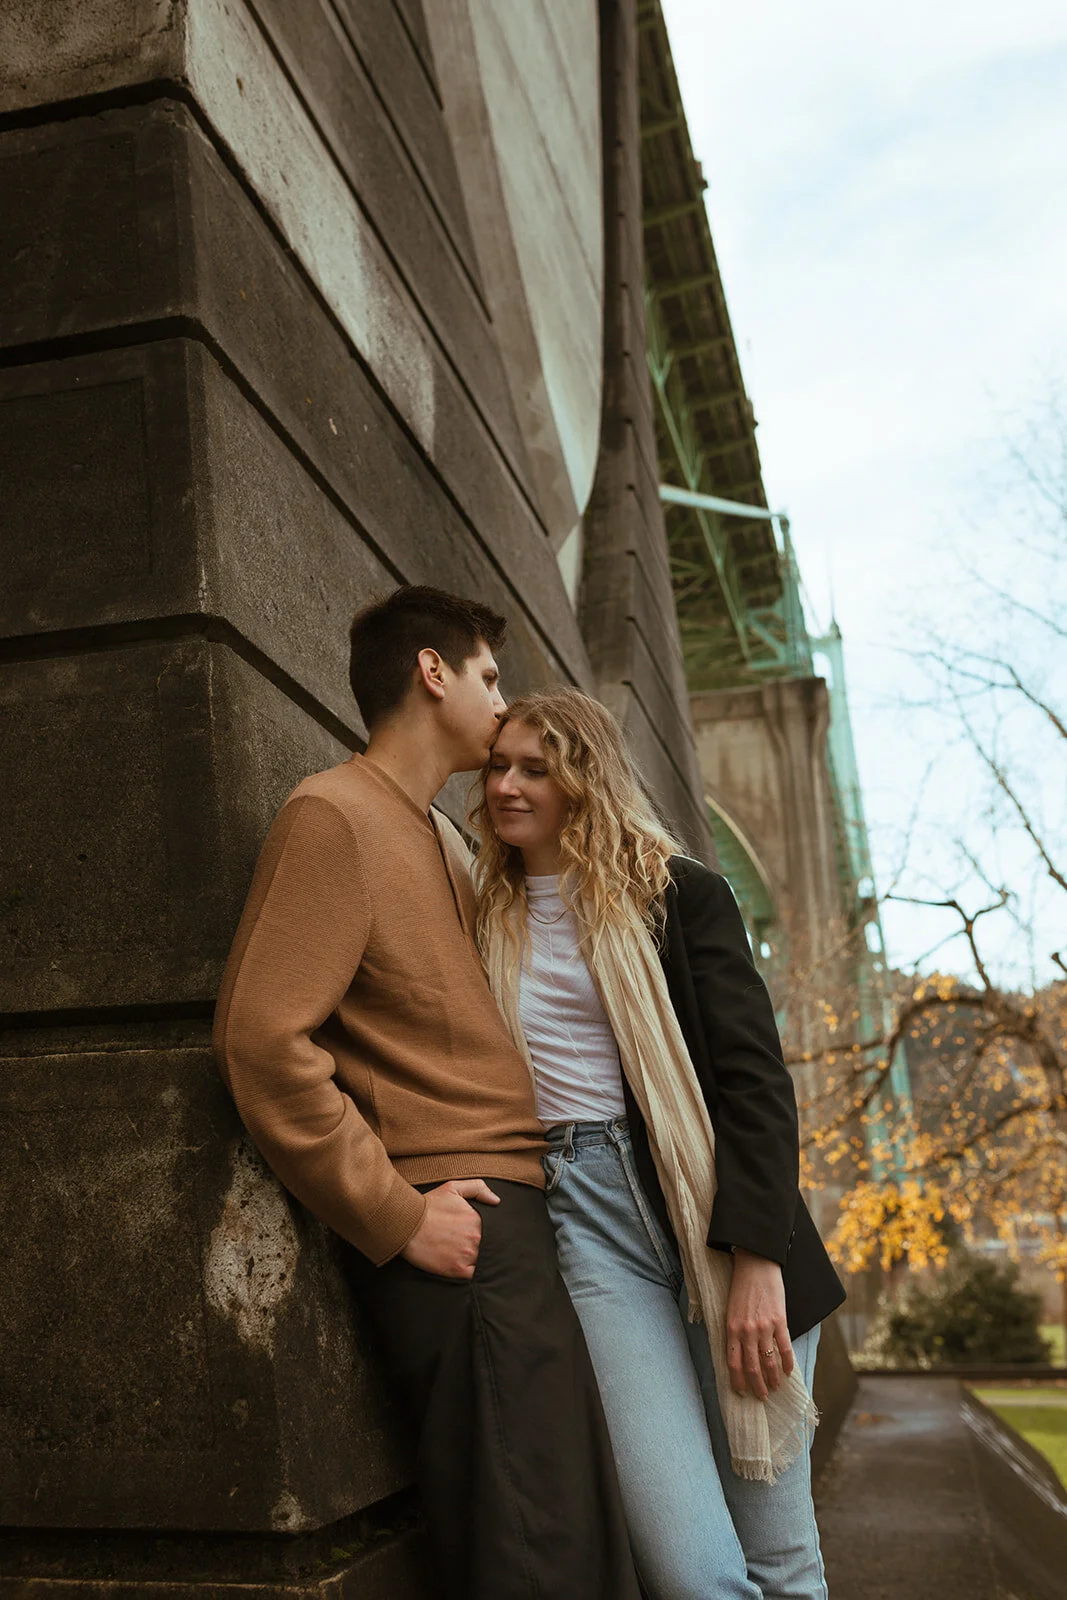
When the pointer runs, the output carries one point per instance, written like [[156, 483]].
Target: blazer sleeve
[[755, 1111]]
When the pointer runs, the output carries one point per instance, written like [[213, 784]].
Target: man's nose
[[500, 705]]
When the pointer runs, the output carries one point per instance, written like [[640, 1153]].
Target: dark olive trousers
[[513, 1459]]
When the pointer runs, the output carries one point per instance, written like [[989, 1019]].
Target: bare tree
[[981, 1142]]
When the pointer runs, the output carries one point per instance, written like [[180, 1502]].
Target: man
[[367, 1057]]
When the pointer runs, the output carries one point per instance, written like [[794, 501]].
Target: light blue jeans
[[698, 1531]]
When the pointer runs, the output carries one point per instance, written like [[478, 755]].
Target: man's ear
[[432, 673]]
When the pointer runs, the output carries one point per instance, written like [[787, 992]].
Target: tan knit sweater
[[355, 1027]]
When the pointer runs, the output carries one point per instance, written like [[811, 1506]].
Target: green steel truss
[[735, 576]]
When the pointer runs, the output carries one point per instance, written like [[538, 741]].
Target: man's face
[[472, 706]]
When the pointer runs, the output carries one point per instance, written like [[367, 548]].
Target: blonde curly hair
[[614, 849]]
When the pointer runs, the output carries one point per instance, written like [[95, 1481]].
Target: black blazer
[[727, 1021]]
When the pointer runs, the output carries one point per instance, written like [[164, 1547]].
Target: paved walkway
[[899, 1509], [924, 1499]]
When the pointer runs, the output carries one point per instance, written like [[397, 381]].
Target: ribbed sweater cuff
[[389, 1229]]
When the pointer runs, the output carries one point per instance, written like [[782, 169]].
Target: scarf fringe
[[759, 1469]]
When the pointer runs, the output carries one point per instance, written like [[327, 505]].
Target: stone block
[[325, 402], [665, 714], [415, 20], [682, 811], [244, 296], [182, 1348], [398, 61], [345, 1562], [437, 265], [141, 781], [50, 206], [657, 629], [54, 50], [288, 566], [159, 492], [95, 458]]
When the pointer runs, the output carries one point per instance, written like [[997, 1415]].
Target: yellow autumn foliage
[[893, 1221]]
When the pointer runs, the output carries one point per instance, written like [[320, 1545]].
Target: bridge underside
[[774, 746]]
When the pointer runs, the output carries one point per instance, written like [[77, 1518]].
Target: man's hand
[[758, 1349], [448, 1238]]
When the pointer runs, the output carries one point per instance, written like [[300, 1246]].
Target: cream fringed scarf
[[765, 1436]]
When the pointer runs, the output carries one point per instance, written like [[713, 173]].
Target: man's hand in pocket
[[449, 1236]]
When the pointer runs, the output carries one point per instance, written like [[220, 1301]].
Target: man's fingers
[[475, 1189]]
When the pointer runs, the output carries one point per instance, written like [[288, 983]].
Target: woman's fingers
[[755, 1379], [772, 1372], [746, 1373], [759, 1358], [785, 1346], [736, 1365]]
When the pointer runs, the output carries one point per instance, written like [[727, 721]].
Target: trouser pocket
[[553, 1164]]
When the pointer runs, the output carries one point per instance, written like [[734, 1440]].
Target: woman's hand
[[758, 1350]]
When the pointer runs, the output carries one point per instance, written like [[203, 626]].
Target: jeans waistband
[[571, 1136]]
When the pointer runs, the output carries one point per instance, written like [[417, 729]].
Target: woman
[[624, 974]]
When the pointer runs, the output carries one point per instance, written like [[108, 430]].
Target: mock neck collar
[[393, 788]]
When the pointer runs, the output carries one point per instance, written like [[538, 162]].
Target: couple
[[475, 1139]]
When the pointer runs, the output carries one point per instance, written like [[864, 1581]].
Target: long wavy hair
[[614, 850]]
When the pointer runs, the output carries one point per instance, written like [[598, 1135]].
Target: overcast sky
[[888, 199]]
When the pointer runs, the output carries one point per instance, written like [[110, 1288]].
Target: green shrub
[[972, 1314]]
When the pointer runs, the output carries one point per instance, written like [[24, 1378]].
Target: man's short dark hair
[[387, 636]]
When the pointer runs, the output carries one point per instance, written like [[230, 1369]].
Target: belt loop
[[568, 1143]]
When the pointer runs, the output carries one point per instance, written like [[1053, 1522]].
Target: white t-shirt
[[577, 1071]]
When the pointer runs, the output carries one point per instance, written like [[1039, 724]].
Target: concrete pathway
[[899, 1506]]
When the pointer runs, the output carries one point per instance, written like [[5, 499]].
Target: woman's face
[[526, 807]]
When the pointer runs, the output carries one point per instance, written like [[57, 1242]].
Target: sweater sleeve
[[300, 940], [755, 1119]]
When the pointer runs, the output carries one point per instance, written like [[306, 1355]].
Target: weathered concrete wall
[[627, 604], [763, 762], [250, 375], [521, 93]]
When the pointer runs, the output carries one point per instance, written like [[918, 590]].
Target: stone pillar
[[248, 380], [763, 757], [763, 762]]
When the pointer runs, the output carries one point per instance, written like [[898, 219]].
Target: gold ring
[[769, 1352]]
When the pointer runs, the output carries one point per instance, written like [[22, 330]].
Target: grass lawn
[[1036, 1410], [1053, 1332]]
